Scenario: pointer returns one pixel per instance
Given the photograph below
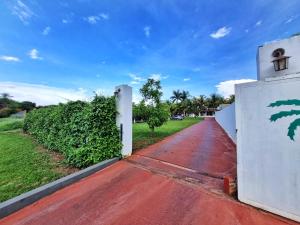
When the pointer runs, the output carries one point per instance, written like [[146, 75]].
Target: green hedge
[[86, 133]]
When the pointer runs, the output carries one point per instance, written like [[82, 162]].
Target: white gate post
[[124, 118]]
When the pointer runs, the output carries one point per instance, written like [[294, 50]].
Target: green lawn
[[142, 136], [25, 165], [10, 124]]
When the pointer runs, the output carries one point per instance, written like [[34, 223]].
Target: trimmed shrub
[[86, 133]]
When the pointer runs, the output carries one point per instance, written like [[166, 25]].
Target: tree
[[151, 91], [139, 111], [26, 105], [199, 104], [5, 95], [175, 108], [10, 105], [185, 95], [176, 97], [230, 100], [182, 102], [157, 113], [185, 102], [4, 100], [214, 101]]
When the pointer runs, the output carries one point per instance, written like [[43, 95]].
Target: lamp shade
[[280, 61]]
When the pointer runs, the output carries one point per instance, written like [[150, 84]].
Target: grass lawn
[[10, 124], [25, 165], [142, 135]]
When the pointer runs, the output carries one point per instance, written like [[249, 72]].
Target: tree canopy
[[151, 109]]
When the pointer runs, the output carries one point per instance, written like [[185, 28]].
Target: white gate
[[268, 147]]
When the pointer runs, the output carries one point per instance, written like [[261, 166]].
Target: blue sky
[[71, 48]]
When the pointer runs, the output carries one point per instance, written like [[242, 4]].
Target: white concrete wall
[[226, 119], [124, 118], [268, 161], [265, 67]]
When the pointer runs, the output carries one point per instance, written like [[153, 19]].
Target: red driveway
[[176, 181]]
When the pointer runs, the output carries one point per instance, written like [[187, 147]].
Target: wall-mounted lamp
[[280, 62], [117, 91]]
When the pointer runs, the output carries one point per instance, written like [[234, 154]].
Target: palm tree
[[201, 100], [176, 97], [185, 101], [200, 104], [293, 125], [214, 101], [184, 95]]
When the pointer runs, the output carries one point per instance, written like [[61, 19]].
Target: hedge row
[[86, 133]]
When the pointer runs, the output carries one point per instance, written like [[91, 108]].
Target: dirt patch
[[57, 160], [138, 145]]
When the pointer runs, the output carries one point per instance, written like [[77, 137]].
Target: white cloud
[[133, 82], [42, 94], [187, 79], [147, 31], [92, 19], [104, 16], [9, 58], [226, 88], [136, 79], [65, 21], [95, 19], [46, 31], [157, 76], [34, 54], [136, 97], [68, 18], [105, 91], [258, 23], [221, 32], [291, 19], [196, 69], [22, 11]]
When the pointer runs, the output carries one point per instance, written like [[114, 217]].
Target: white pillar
[[124, 117]]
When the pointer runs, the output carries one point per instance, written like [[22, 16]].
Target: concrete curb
[[19, 202]]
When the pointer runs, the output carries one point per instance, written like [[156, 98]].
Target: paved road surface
[[176, 181]]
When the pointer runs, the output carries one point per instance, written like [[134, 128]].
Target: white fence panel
[[226, 118]]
